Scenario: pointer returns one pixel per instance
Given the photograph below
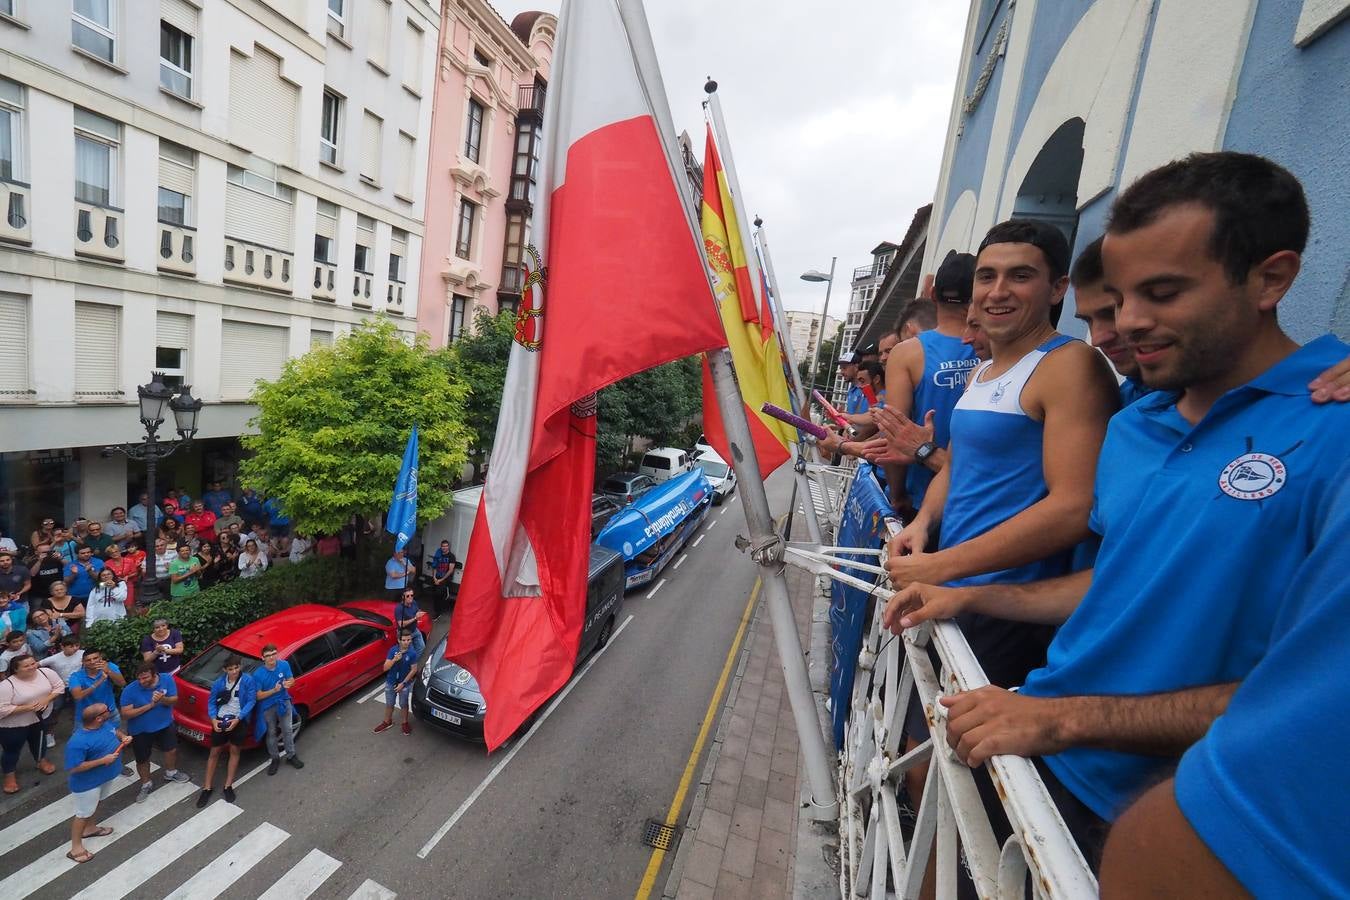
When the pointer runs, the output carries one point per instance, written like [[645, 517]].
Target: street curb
[[815, 857]]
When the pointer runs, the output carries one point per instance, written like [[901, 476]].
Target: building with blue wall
[[1062, 102]]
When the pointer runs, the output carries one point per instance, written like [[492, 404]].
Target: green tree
[[657, 404], [481, 359], [332, 428]]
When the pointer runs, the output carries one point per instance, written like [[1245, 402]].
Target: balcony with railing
[[325, 281], [361, 286], [258, 266], [530, 100], [14, 217], [177, 248], [878, 269], [98, 231], [393, 299]]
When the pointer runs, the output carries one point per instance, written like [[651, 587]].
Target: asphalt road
[[562, 818]]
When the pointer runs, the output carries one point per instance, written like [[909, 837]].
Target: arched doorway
[[1049, 191]]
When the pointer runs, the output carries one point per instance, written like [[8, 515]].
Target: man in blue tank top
[[927, 373], [1216, 501]]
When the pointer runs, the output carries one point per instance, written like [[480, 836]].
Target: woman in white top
[[25, 703], [252, 562], [301, 548], [107, 601]]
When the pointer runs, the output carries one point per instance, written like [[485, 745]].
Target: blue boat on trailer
[[652, 529]]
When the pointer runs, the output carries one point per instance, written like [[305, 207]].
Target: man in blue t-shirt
[[274, 680], [147, 708], [400, 666], [93, 760], [93, 683], [82, 574], [1213, 494]]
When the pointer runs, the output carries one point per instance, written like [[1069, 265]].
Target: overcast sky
[[836, 113]]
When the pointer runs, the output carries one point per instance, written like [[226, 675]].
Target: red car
[[333, 651]]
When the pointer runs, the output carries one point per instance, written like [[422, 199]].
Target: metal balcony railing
[[530, 98], [876, 270], [951, 825], [513, 279]]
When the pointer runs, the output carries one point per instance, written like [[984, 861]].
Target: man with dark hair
[[1226, 453], [274, 680], [147, 708], [229, 706], [917, 317]]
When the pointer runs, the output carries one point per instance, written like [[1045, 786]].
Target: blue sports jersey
[[947, 363], [855, 402], [1203, 529], [1280, 829]]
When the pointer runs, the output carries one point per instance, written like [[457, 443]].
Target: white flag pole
[[766, 545]]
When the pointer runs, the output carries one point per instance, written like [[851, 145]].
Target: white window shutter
[[14, 371], [98, 348], [257, 218], [175, 176], [173, 330], [407, 164], [371, 128], [262, 106], [325, 220], [180, 14], [249, 352]]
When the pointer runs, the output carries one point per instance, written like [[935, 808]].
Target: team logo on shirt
[[1253, 476]]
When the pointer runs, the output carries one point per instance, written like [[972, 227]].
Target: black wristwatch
[[924, 450]]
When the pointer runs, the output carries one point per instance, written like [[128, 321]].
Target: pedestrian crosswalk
[[204, 853]]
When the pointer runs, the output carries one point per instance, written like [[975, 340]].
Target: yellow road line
[[714, 704]]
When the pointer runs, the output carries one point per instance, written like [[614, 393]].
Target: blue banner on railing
[[862, 525]]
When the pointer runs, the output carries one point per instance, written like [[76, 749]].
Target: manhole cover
[[658, 834]]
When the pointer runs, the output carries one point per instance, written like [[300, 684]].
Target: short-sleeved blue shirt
[[399, 670], [83, 584], [88, 744], [1131, 389], [266, 679], [1281, 831], [102, 694], [152, 720], [855, 402], [1203, 528]]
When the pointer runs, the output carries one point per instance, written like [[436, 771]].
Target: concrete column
[[53, 329], [209, 213], [51, 136], [140, 198]]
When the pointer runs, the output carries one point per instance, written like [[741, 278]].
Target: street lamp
[[154, 398], [816, 276]]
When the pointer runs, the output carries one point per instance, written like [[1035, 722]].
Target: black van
[[448, 696]]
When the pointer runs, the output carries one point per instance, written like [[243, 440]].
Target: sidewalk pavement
[[745, 836]]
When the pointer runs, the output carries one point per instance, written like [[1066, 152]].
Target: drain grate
[[658, 834]]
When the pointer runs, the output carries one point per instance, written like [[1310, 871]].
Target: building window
[[377, 31], [14, 364], [365, 243], [508, 304], [337, 17], [513, 254], [7, 8], [464, 241], [372, 128], [362, 260], [175, 60], [176, 167], [407, 171], [412, 57], [11, 131], [459, 306], [482, 58], [329, 129], [398, 252], [173, 337], [91, 27], [96, 143], [98, 349], [525, 167], [473, 130], [325, 233], [395, 268]]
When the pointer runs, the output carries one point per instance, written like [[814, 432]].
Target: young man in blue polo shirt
[[147, 709], [93, 683], [400, 666], [1213, 493], [274, 680]]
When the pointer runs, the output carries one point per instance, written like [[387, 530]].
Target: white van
[[455, 526], [664, 463]]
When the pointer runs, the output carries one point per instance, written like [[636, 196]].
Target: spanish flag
[[749, 326]]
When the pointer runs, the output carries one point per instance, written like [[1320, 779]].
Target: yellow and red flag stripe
[[749, 326]]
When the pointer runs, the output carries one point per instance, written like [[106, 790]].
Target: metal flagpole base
[[766, 549]]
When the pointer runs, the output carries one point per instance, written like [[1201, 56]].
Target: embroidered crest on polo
[[1253, 476]]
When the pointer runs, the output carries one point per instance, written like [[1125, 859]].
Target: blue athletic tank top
[[996, 473], [946, 364]]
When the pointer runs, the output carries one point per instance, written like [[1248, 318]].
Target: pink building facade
[[491, 84]]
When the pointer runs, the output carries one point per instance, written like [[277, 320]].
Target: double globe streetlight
[[155, 399]]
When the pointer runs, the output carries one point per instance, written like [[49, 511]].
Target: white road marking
[[379, 689], [683, 557], [53, 864], [497, 769], [369, 890], [304, 878], [227, 868], [56, 813], [712, 525], [133, 873], [700, 539], [655, 589], [251, 772], [722, 513]]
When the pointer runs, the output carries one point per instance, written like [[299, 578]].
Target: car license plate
[[191, 733], [453, 720]]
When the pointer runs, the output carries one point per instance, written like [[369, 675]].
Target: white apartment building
[[804, 330], [866, 281], [204, 188]]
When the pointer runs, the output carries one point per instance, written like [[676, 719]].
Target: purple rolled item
[[794, 420]]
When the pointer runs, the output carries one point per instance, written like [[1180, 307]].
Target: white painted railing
[[876, 860]]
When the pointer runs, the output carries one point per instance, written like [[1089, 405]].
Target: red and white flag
[[616, 284]]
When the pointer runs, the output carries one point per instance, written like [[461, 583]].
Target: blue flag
[[402, 519]]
